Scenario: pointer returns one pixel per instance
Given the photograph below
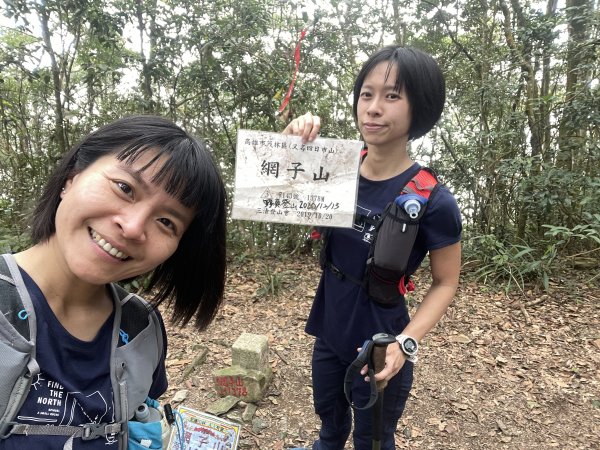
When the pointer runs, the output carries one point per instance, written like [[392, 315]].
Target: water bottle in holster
[[385, 279], [148, 429], [385, 275], [145, 413]]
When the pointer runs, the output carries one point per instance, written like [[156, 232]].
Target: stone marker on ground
[[250, 373]]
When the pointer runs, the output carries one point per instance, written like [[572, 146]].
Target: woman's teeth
[[107, 247]]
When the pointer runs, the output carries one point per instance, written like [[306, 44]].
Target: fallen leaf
[[180, 396], [459, 338], [177, 362], [501, 360], [451, 428]]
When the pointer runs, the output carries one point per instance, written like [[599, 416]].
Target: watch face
[[410, 346]]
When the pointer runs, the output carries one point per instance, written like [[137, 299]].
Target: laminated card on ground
[[198, 430]]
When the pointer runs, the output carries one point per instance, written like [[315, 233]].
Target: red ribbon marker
[[286, 100]]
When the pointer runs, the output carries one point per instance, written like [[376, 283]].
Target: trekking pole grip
[[381, 341]]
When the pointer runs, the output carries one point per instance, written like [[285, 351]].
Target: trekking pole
[[381, 341]]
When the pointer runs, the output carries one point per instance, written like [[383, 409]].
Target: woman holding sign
[[399, 96]]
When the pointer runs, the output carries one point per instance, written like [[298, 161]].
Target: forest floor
[[498, 372]]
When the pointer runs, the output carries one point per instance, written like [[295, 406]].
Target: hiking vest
[[137, 346], [394, 237]]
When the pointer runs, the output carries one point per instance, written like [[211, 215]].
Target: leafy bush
[[507, 264], [585, 234], [272, 282], [513, 265]]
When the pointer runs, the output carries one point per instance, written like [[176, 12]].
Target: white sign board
[[279, 179]]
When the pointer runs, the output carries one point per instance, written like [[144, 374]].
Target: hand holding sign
[[306, 126]]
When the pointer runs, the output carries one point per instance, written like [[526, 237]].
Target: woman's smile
[[107, 247]]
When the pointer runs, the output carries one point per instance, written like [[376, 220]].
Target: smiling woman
[[138, 196], [134, 223], [152, 151]]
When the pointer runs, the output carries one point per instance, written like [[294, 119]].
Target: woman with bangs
[[399, 96], [139, 196]]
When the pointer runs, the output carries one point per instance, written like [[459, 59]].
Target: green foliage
[[11, 242], [506, 264], [584, 232], [272, 282], [582, 236], [137, 285], [510, 265], [519, 142]]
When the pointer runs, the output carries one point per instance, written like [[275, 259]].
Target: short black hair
[[420, 76], [192, 280]]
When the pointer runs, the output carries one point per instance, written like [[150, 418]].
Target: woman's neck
[[80, 307], [385, 164], [50, 272]]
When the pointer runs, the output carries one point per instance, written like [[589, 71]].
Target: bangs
[[399, 81], [187, 173]]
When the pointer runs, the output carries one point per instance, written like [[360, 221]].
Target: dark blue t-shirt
[[342, 314], [73, 386]]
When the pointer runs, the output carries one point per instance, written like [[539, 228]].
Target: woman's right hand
[[306, 126]]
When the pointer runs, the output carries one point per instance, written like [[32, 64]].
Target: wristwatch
[[409, 347]]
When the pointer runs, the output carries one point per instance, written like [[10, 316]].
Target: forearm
[[431, 310], [445, 271]]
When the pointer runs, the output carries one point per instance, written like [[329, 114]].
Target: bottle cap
[[412, 208], [141, 413], [411, 203]]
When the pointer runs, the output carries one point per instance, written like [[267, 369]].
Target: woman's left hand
[[394, 360]]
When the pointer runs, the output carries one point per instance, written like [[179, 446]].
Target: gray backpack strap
[[134, 365], [17, 342], [85, 432], [15, 301]]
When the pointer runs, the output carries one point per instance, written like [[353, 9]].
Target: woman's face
[[113, 223], [383, 113]]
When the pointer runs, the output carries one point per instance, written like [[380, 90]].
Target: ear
[[67, 186]]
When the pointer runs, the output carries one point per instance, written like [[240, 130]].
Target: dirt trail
[[496, 373]]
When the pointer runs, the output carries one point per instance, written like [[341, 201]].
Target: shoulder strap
[[135, 315], [363, 154], [18, 369], [15, 302], [423, 183]]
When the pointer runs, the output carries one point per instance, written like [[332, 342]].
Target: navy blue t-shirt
[[73, 386], [342, 314]]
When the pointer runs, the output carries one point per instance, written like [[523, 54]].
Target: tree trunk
[[571, 137], [147, 61], [59, 131]]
